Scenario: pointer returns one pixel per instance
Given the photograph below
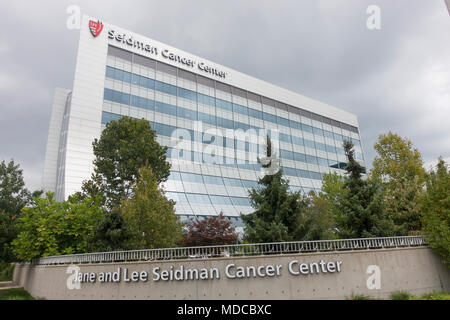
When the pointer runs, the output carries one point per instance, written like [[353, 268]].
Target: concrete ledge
[[414, 269]]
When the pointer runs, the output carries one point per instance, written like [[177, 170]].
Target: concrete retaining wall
[[416, 270]]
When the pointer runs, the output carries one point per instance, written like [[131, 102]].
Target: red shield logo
[[95, 27]]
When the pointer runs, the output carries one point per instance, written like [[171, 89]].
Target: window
[[240, 109], [224, 105], [255, 113], [187, 94], [269, 117]]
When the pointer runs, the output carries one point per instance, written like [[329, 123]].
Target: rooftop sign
[[96, 28]]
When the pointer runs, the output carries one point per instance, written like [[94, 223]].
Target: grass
[[6, 271], [15, 294], [405, 295]]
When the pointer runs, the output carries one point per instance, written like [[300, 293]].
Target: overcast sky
[[396, 78]]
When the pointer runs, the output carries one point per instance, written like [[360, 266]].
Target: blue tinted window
[[108, 94], [290, 171], [175, 175], [207, 118], [237, 201], [309, 144], [191, 177], [295, 125], [311, 159], [205, 99], [322, 162], [299, 157], [240, 109], [220, 200], [187, 94], [320, 146], [213, 180], [283, 121], [232, 182], [125, 98], [135, 79], [297, 140], [286, 154], [269, 117], [198, 198], [318, 131], [225, 123], [224, 104], [110, 72], [255, 113], [165, 108], [186, 113], [316, 175], [303, 174], [165, 87], [331, 149], [249, 184], [240, 125], [328, 134], [285, 137], [126, 77], [307, 128], [176, 196]]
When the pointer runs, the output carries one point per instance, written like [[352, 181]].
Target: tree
[[316, 222], [51, 228], [125, 146], [13, 194], [276, 209], [435, 205], [110, 233], [332, 193], [398, 167], [8, 232], [13, 197], [362, 212], [209, 232], [150, 216]]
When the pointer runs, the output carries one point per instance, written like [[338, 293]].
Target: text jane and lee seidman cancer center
[[213, 119]]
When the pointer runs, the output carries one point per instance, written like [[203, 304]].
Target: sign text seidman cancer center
[[213, 119]]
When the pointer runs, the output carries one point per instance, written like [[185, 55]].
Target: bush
[[6, 271], [15, 294], [402, 295]]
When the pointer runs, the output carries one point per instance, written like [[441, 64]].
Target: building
[[219, 112]]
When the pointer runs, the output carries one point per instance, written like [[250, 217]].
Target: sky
[[395, 78]]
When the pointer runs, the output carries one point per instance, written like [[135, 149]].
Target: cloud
[[396, 78]]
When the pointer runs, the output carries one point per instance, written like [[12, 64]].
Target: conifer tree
[[362, 213], [277, 210]]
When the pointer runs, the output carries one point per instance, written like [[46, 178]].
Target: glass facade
[[173, 99]]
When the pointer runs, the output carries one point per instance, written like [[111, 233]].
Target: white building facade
[[217, 115]]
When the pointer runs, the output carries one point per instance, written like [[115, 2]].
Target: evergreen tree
[[435, 205], [277, 210], [110, 233], [362, 212]]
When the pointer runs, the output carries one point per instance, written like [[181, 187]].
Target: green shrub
[[6, 271], [402, 295], [15, 294], [436, 296]]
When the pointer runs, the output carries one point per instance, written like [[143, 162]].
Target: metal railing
[[235, 250]]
